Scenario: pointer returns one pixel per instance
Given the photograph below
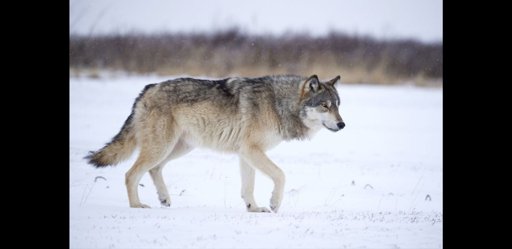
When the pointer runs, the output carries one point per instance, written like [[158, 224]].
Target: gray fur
[[246, 116]]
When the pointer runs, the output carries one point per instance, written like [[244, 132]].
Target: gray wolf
[[246, 116]]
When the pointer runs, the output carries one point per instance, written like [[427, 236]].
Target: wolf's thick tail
[[117, 150], [122, 145]]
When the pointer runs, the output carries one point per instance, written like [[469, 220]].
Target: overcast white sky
[[420, 19]]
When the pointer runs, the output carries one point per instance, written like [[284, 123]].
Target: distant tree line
[[231, 52]]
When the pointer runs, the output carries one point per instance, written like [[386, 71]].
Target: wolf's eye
[[324, 105]]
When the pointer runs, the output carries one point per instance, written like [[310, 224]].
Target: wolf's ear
[[334, 81], [312, 83]]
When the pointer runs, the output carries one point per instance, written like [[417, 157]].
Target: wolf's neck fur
[[292, 127], [288, 108]]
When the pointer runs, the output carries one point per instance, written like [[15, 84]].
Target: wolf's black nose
[[341, 125]]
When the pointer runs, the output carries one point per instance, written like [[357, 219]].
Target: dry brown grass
[[231, 53]]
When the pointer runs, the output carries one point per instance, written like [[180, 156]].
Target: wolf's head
[[319, 104]]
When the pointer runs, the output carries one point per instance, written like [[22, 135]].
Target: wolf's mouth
[[329, 128]]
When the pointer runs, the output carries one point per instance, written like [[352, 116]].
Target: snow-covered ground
[[375, 184]]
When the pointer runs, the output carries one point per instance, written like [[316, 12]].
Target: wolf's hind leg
[[248, 175], [179, 149], [146, 160], [157, 138], [161, 189]]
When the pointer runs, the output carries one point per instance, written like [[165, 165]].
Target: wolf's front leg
[[256, 158], [248, 175]]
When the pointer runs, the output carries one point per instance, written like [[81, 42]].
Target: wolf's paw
[[258, 210], [166, 202], [274, 208], [139, 205], [274, 205]]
